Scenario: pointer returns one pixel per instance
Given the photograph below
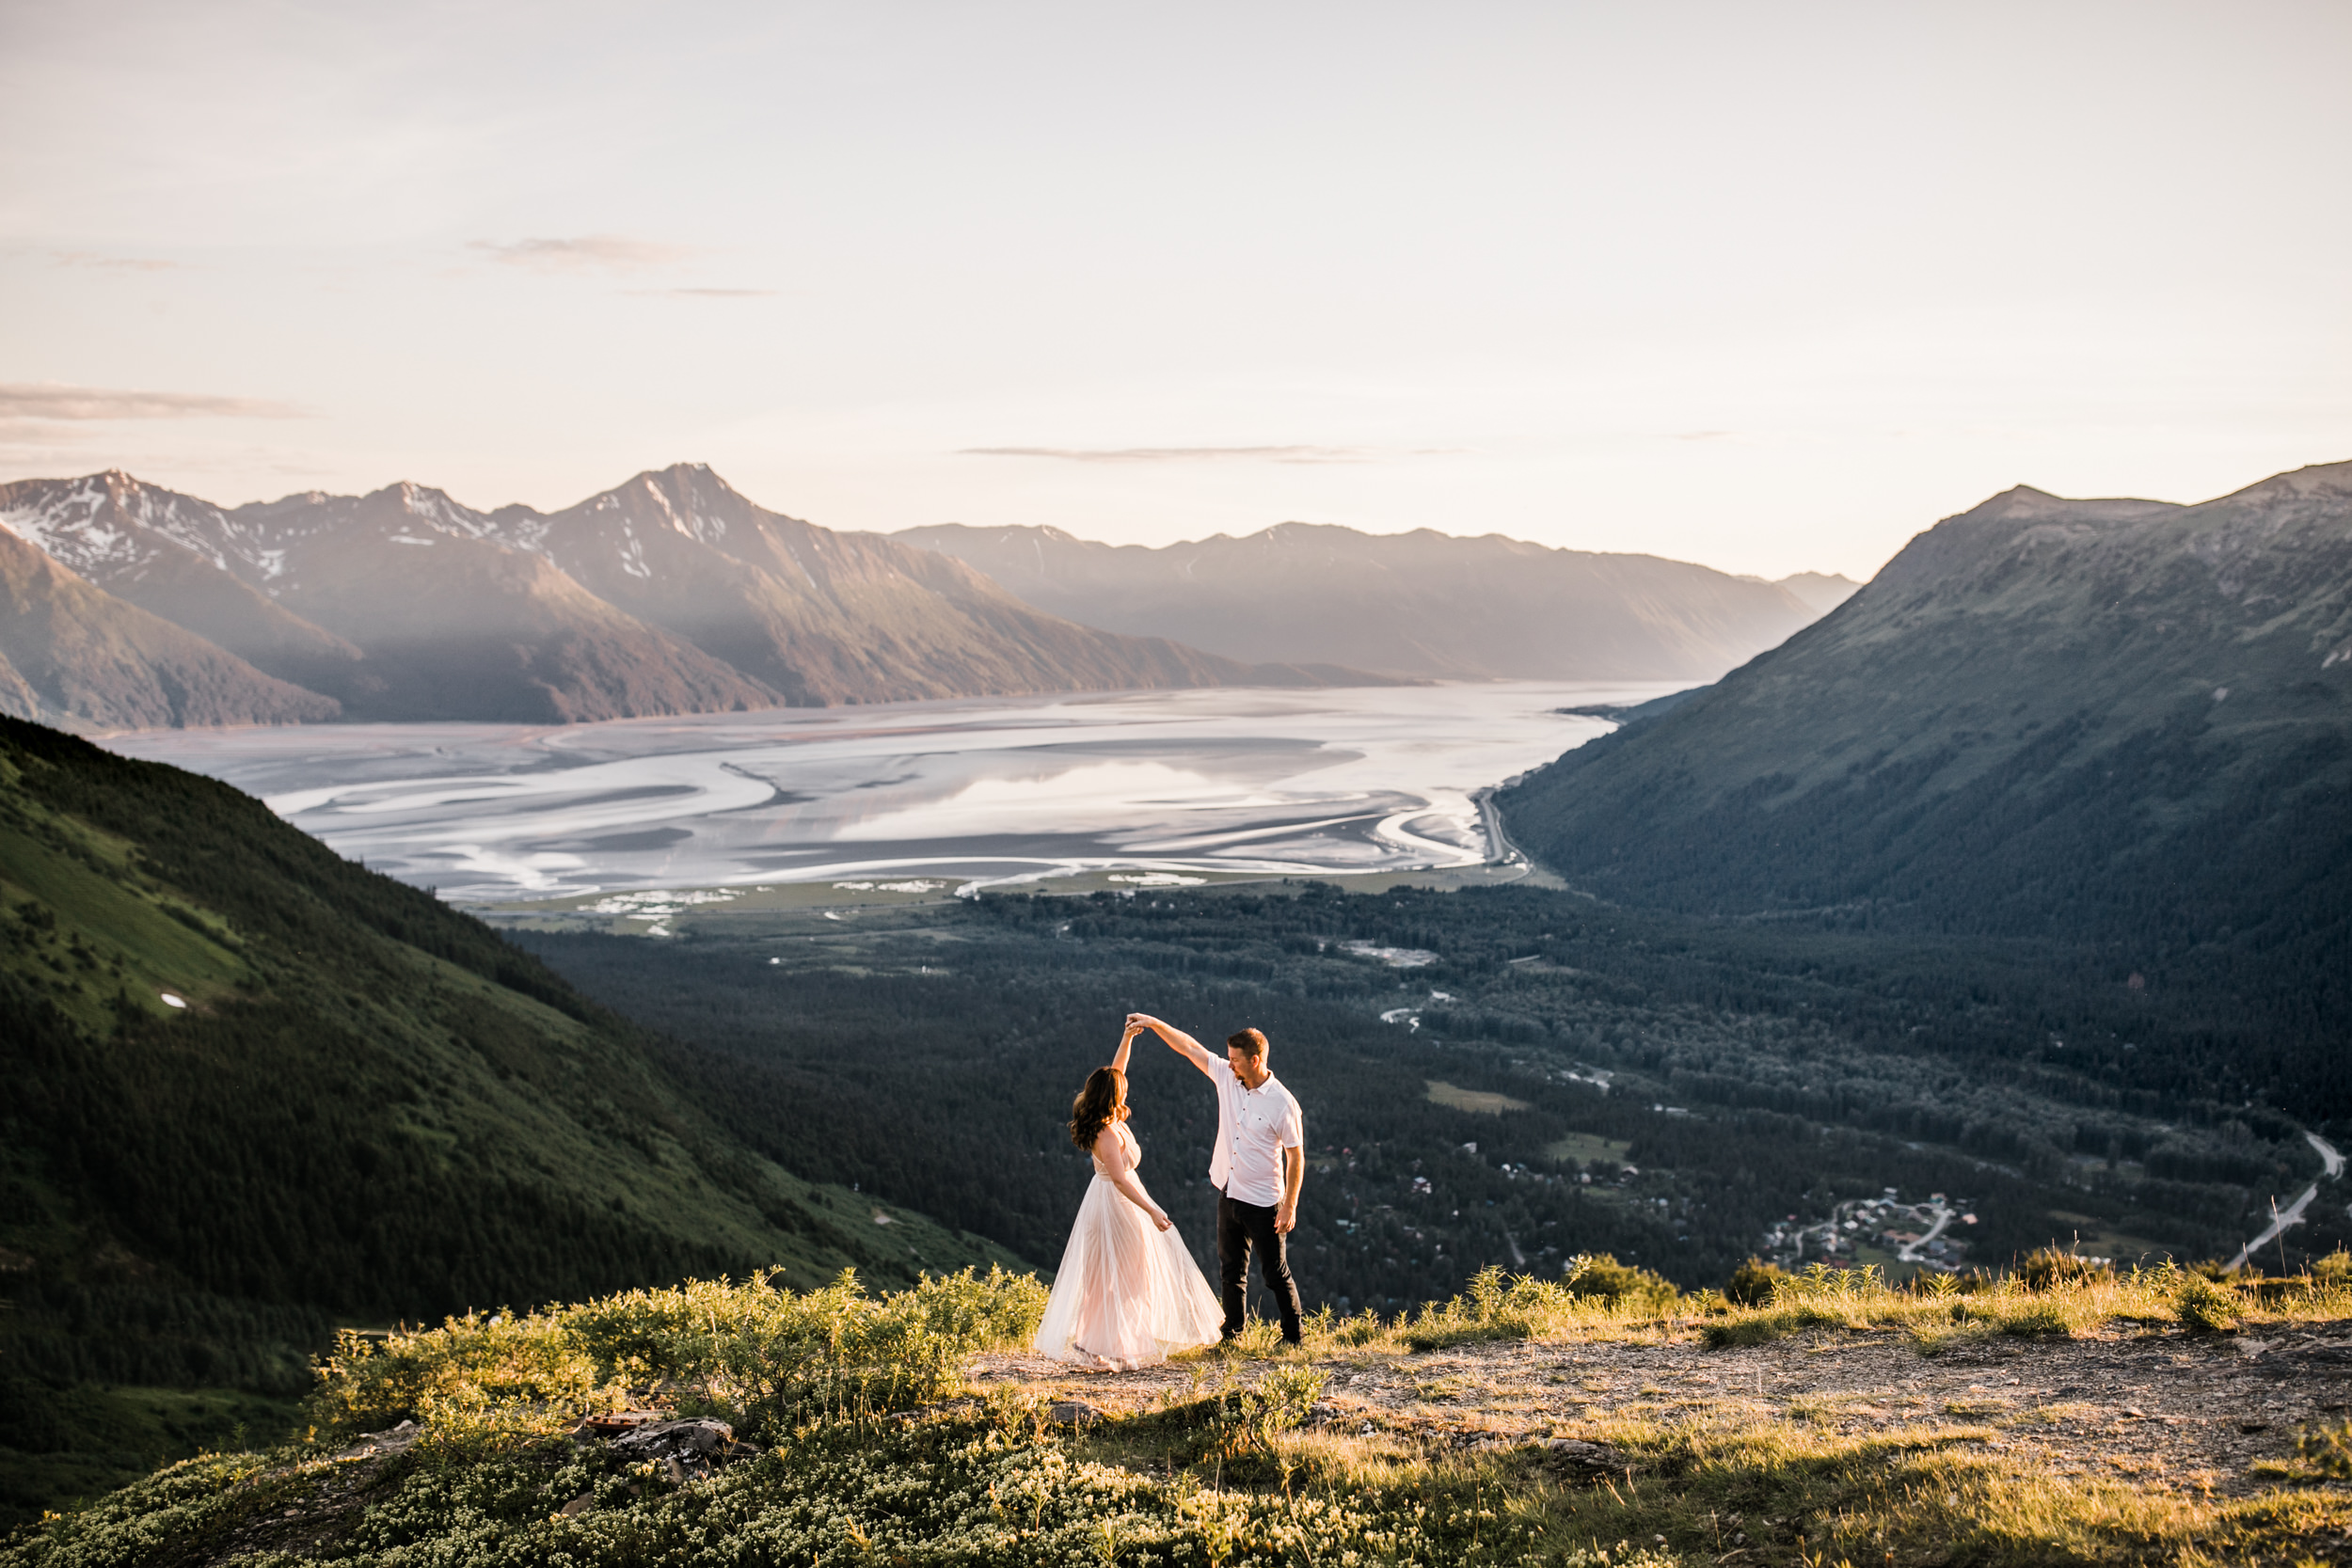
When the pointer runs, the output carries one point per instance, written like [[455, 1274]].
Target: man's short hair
[[1249, 1042]]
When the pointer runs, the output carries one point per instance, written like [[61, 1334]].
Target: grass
[[85, 937], [1479, 1101], [1582, 1149], [871, 1459], [1937, 1309]]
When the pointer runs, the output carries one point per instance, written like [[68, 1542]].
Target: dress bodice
[[1127, 1144]]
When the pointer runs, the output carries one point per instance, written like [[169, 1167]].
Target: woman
[[1128, 1291]]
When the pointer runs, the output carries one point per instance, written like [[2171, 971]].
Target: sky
[[1771, 287]]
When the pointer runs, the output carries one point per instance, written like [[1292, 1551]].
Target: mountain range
[[671, 594], [1421, 604], [2119, 727], [674, 593]]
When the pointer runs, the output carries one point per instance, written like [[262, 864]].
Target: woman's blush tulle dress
[[1128, 1291]]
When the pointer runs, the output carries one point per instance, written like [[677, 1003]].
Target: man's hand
[[1285, 1217]]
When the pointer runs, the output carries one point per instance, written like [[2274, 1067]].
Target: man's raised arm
[[1180, 1042]]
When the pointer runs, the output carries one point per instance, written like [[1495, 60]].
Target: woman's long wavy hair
[[1091, 1111]]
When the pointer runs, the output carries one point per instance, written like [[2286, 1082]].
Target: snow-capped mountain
[[72, 653], [828, 617], [183, 560], [670, 594]]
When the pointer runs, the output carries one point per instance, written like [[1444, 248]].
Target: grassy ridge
[[1239, 1473]]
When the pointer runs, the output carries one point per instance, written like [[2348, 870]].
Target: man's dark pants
[[1241, 1226]]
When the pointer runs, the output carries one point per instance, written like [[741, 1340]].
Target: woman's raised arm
[[1127, 1046]]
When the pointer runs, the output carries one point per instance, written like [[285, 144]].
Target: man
[[1259, 1161]]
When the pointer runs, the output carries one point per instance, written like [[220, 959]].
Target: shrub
[[1620, 1285], [2046, 1268], [2327, 1449], [2204, 1306], [1753, 1282], [1497, 1306], [751, 1352]]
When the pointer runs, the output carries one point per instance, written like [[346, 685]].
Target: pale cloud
[[613, 252], [49, 400], [1180, 454], [111, 264]]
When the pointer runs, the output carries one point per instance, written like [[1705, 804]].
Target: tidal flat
[[997, 792]]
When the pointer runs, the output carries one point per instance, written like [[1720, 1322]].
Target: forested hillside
[[2119, 729], [253, 1090]]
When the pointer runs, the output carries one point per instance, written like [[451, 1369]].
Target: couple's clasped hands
[[1136, 1025]]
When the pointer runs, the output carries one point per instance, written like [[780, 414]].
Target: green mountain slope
[[2119, 730], [369, 1106]]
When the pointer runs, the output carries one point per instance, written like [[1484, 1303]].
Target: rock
[[1593, 1460], [576, 1507], [697, 1434], [380, 1445], [1073, 1413], [606, 1422], [688, 1450]]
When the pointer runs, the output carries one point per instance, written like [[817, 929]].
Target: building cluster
[[1929, 1235]]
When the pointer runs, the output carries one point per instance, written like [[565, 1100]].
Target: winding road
[[1916, 1251], [2331, 1159]]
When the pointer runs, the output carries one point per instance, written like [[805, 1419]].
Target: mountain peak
[[685, 497], [2331, 480]]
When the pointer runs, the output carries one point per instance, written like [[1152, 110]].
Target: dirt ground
[[2161, 1408]]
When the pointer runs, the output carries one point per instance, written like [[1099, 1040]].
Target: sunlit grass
[[872, 1460], [755, 1354], [1938, 1311]]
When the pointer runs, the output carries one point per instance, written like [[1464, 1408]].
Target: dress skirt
[[1127, 1290]]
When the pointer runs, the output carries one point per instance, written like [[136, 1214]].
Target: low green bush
[[2204, 1306], [2046, 1268], [1753, 1282], [1498, 1306], [757, 1355]]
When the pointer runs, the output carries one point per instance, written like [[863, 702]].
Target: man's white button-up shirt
[[1253, 1127]]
